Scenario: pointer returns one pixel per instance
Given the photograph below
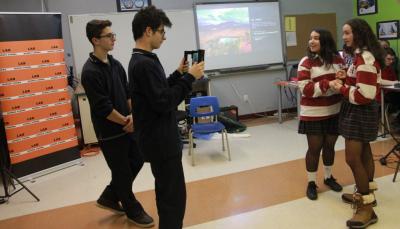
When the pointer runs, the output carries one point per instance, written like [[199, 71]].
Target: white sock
[[373, 186], [327, 171], [312, 176]]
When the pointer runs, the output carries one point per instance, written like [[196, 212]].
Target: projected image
[[239, 35], [224, 31]]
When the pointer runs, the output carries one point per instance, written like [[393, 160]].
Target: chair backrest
[[203, 101]]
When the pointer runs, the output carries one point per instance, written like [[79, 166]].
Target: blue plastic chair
[[210, 110]]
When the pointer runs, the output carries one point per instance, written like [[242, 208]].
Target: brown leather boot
[[364, 214], [348, 197]]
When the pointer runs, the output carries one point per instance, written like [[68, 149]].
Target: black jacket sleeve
[[174, 77], [161, 97], [95, 89], [124, 80]]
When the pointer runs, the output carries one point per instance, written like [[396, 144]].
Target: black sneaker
[[331, 182], [141, 220], [110, 205], [312, 190]]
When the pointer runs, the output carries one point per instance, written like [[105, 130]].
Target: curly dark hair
[[364, 37], [328, 49], [148, 17]]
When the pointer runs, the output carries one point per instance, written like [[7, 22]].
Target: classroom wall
[[387, 10], [20, 6], [258, 86]]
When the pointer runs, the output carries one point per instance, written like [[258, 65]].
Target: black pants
[[125, 161], [170, 192]]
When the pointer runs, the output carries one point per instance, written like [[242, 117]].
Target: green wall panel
[[387, 10]]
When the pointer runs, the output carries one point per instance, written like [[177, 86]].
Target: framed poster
[[387, 30], [132, 5], [365, 7]]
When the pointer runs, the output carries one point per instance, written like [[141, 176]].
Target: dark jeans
[[125, 161], [170, 192]]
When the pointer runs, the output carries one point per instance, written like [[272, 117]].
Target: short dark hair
[[364, 37], [328, 46], [95, 27], [148, 17]]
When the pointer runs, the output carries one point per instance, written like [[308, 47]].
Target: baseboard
[[267, 113]]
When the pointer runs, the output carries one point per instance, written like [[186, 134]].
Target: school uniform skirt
[[359, 122], [322, 127]]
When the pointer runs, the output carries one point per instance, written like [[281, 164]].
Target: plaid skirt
[[359, 122], [327, 126]]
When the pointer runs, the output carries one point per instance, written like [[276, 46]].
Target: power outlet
[[246, 98]]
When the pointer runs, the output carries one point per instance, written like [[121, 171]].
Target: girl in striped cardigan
[[320, 106], [358, 121]]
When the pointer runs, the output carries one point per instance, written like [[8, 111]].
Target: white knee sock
[[312, 176], [327, 171]]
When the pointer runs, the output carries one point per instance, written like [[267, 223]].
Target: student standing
[[358, 122], [155, 99], [105, 83], [320, 106]]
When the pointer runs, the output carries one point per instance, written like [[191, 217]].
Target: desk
[[396, 149], [383, 90], [290, 84]]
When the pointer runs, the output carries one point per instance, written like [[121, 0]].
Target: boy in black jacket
[[105, 83], [155, 101]]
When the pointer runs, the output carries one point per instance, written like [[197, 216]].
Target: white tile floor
[[327, 212], [267, 144]]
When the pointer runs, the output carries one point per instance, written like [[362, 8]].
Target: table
[[281, 85], [383, 90], [396, 149]]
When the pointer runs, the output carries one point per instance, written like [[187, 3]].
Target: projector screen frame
[[255, 67]]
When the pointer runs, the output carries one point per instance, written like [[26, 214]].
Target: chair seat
[[205, 128]]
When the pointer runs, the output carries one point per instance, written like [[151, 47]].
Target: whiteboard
[[180, 37]]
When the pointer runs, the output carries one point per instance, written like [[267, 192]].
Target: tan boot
[[348, 197], [364, 214]]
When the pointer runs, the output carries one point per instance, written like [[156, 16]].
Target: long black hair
[[364, 37], [328, 49]]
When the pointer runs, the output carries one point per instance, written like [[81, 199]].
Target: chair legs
[[227, 144], [224, 135], [190, 136], [191, 151], [223, 141], [387, 123], [397, 170]]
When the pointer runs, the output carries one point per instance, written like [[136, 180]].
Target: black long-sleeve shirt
[[155, 99], [106, 87]]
